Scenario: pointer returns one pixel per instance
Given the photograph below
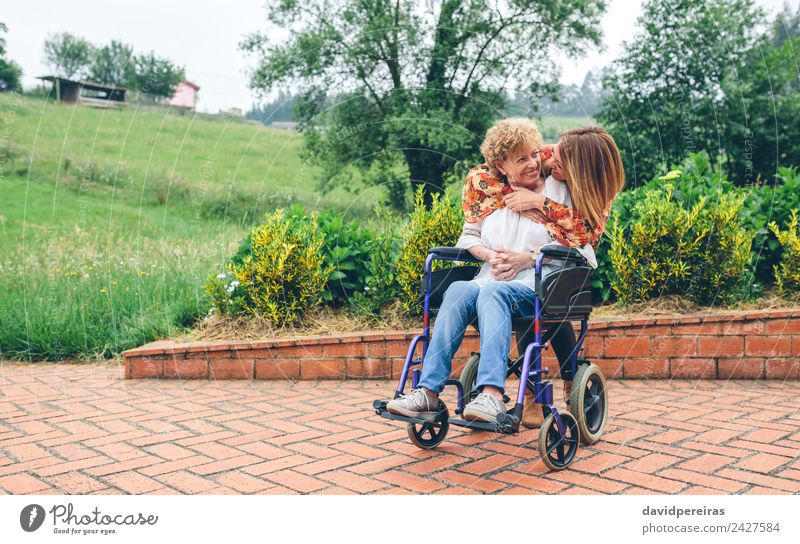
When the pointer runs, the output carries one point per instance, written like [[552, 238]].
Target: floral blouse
[[485, 189]]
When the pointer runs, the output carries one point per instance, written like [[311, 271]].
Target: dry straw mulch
[[675, 306], [327, 321]]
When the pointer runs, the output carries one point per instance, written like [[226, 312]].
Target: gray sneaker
[[484, 408], [415, 404]]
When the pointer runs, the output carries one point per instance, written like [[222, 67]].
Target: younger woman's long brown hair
[[593, 170]]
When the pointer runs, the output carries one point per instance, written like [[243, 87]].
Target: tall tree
[[157, 76], [114, 65], [591, 93], [786, 25], [761, 111], [10, 72], [416, 83], [665, 97], [68, 56]]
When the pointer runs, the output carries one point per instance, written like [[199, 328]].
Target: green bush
[[694, 180], [603, 276], [696, 177], [721, 269], [701, 251], [438, 226], [346, 248], [227, 295], [766, 203], [787, 272], [381, 287], [279, 271], [691, 180]]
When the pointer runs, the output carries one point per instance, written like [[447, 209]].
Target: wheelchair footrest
[[479, 425], [388, 415], [380, 409]]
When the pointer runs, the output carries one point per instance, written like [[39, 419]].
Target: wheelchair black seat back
[[566, 292], [440, 280], [562, 295]]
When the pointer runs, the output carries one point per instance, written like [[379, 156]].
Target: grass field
[[156, 156], [110, 221], [552, 126]]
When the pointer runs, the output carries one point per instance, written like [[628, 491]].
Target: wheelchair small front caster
[[507, 423], [556, 453], [428, 435]]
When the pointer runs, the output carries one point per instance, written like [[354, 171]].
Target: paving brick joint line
[[84, 429]]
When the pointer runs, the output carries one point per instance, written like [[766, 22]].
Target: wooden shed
[[86, 92]]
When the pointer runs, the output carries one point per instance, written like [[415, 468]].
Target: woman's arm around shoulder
[[482, 192], [569, 227]]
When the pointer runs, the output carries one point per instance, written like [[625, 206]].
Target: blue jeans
[[494, 305]]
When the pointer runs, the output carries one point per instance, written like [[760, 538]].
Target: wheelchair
[[561, 296]]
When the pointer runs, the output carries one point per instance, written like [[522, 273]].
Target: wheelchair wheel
[[556, 453], [589, 402], [427, 436], [468, 378]]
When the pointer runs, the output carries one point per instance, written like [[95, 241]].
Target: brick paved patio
[[83, 429]]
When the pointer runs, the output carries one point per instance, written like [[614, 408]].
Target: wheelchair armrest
[[558, 251], [455, 253]]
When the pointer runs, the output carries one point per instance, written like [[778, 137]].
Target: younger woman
[[589, 162]]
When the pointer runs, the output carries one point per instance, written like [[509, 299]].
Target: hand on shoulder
[[524, 199]]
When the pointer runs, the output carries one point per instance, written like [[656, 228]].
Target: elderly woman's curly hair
[[508, 135]]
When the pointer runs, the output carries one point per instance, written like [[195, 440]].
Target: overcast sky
[[203, 36]]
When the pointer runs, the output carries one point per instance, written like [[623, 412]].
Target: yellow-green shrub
[[438, 226], [700, 251], [721, 267], [787, 272], [282, 274]]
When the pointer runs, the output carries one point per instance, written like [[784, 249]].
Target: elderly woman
[[503, 289]]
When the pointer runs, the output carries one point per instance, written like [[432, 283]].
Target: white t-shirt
[[506, 229]]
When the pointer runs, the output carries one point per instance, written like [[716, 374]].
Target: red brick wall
[[759, 344]]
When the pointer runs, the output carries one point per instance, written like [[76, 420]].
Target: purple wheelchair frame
[[542, 390]]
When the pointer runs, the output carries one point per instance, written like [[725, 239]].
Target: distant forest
[[568, 101], [279, 110]]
